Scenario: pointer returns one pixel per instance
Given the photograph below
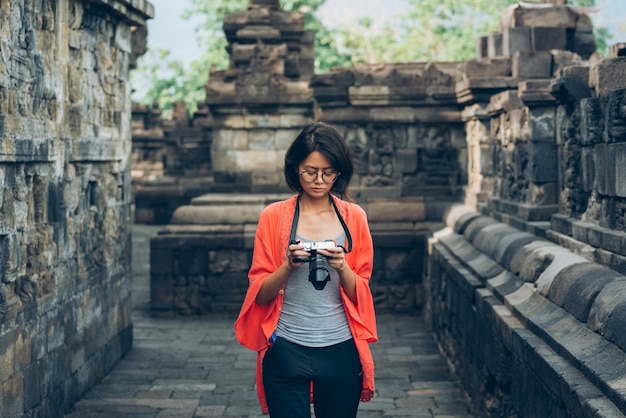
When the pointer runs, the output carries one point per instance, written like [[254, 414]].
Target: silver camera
[[319, 270], [318, 245]]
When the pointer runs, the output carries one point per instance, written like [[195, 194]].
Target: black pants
[[289, 369]]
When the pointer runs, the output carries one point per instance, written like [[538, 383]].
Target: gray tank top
[[310, 317]]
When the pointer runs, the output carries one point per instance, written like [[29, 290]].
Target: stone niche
[[65, 197]]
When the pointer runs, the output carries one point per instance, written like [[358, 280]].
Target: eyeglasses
[[311, 176]]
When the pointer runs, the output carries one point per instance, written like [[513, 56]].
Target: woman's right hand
[[296, 251]]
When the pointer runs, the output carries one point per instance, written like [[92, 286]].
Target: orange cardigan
[[255, 323]]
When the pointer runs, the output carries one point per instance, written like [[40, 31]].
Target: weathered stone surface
[[485, 68], [516, 39], [617, 50], [536, 15], [523, 332], [65, 187], [494, 45], [532, 64], [549, 38], [608, 75], [575, 288]]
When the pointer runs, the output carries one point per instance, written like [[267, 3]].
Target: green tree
[[433, 30], [164, 80]]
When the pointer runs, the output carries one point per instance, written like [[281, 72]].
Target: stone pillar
[[263, 100]]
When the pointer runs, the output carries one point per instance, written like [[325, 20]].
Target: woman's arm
[[275, 282]]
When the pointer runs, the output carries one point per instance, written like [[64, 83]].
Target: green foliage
[[432, 30]]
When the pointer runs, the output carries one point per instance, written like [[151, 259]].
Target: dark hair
[[326, 140]]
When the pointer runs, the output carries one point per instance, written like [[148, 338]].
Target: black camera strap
[[296, 217]]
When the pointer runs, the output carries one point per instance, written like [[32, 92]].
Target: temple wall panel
[[65, 198]]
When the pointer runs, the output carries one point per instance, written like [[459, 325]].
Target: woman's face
[[319, 172]]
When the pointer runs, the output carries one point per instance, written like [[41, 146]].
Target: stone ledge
[[571, 322], [135, 11], [554, 272], [591, 234]]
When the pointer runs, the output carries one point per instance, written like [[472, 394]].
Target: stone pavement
[[194, 367]]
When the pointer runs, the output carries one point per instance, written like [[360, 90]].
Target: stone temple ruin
[[494, 188]]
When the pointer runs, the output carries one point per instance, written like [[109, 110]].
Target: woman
[[310, 314]]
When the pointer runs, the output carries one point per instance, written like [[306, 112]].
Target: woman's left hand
[[336, 257]]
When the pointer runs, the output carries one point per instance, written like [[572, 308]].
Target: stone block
[[504, 101], [254, 32], [13, 396], [261, 122], [591, 121], [556, 16], [517, 245], [608, 75], [542, 198], [617, 50], [618, 263], [568, 61], [588, 170], [594, 235], [535, 64], [242, 53], [231, 215], [486, 160], [542, 162], [486, 68], [619, 152], [32, 385], [536, 92], [284, 137], [7, 355], [559, 258], [542, 124], [576, 287], [257, 160], [606, 316], [548, 38], [494, 45], [265, 178], [396, 211], [230, 139], [262, 139], [481, 47], [580, 230], [293, 123], [406, 160], [605, 169], [612, 241], [584, 43], [515, 39], [161, 293], [615, 117]]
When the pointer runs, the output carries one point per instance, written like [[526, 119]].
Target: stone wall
[[529, 328], [494, 190], [65, 195], [525, 287]]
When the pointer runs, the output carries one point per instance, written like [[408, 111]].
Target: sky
[[169, 31]]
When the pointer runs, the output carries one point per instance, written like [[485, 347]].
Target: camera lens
[[319, 270]]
